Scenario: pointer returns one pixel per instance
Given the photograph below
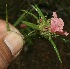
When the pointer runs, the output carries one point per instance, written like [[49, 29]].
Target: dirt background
[[41, 54]]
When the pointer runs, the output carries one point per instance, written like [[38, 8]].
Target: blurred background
[[41, 54]]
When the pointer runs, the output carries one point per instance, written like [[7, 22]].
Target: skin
[[12, 39]]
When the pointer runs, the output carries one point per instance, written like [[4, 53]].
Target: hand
[[11, 43]]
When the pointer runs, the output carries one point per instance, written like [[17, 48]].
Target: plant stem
[[7, 24]]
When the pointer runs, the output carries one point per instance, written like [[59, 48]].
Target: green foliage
[[55, 48], [19, 20], [30, 14], [40, 27], [31, 25], [40, 13]]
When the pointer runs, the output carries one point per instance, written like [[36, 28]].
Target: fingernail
[[14, 41]]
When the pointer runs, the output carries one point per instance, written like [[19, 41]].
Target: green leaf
[[19, 19], [56, 50], [30, 14], [33, 26], [39, 12]]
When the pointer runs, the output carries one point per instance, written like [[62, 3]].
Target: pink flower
[[57, 24]]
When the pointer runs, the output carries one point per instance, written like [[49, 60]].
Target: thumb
[[15, 42]]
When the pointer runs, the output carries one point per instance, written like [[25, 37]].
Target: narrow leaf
[[39, 12], [33, 26], [56, 50], [19, 19], [30, 14]]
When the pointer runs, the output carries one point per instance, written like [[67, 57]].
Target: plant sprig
[[43, 33]]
